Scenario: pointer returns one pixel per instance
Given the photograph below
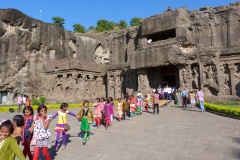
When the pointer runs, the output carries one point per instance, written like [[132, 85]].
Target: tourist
[[125, 108], [200, 96], [18, 123], [119, 109], [8, 145], [161, 95], [28, 102], [85, 115], [27, 136], [184, 95], [111, 109], [106, 113], [102, 104], [192, 98], [41, 132], [132, 106], [146, 101], [149, 41], [97, 113], [174, 91], [140, 95], [62, 126], [155, 102], [20, 103], [165, 90], [24, 98], [139, 105], [169, 90]]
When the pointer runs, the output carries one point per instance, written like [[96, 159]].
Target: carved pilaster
[[84, 87], [110, 85], [233, 82], [91, 88]]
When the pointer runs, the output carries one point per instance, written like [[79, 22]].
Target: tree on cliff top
[[135, 21], [78, 28], [58, 21], [104, 25], [122, 24]]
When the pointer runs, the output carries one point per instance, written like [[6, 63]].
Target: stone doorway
[[162, 76]]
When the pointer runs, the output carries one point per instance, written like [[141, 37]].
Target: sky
[[88, 12]]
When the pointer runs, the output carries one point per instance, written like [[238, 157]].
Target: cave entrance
[[3, 97], [163, 35], [169, 76]]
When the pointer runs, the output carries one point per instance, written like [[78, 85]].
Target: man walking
[[184, 95], [20, 103], [200, 96]]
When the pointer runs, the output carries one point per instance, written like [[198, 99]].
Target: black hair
[[63, 105], [108, 100], [98, 99], [85, 101], [111, 99], [103, 98], [145, 96], [41, 106], [156, 92], [28, 108], [19, 119], [119, 98], [7, 124]]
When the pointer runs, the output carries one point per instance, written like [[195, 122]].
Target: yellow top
[[62, 117], [191, 95]]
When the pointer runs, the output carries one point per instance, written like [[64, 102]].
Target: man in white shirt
[[169, 90], [149, 41], [139, 94]]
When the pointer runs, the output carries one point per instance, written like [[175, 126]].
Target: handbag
[[66, 127]]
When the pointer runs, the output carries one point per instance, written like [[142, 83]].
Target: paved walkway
[[173, 134]]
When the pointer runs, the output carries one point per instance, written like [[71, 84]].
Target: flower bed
[[49, 106], [222, 109]]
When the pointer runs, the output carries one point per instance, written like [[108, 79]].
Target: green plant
[[42, 99], [58, 102], [35, 101]]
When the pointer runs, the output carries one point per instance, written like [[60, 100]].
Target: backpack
[[11, 110]]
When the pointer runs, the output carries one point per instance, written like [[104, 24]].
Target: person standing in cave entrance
[[20, 103], [184, 95], [200, 96]]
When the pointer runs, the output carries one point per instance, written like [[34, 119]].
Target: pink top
[[20, 100], [139, 102], [200, 96], [155, 98], [97, 111]]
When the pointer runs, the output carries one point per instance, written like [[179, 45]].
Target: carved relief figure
[[79, 87], [195, 76], [226, 80], [237, 79]]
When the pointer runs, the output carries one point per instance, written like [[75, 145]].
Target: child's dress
[[97, 114], [40, 133], [119, 110], [27, 136], [139, 105]]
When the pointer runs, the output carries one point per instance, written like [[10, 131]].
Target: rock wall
[[203, 48]]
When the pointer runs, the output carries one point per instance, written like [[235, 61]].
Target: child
[[106, 113], [62, 122], [85, 115], [18, 123], [125, 108], [27, 136], [192, 99], [111, 109], [28, 102], [146, 103], [41, 133], [139, 105], [97, 114], [119, 109], [8, 145]]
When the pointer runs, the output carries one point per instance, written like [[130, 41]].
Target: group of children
[[33, 130]]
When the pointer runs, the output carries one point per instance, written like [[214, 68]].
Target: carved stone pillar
[[201, 68], [118, 85], [100, 88], [110, 85], [220, 81], [84, 77], [233, 82], [74, 86], [91, 81]]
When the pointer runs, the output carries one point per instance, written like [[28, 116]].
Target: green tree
[[58, 21], [91, 28], [78, 28], [122, 24], [135, 21], [104, 25]]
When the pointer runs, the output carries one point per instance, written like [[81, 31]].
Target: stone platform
[[173, 134]]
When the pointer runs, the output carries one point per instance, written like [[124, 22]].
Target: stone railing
[[164, 43], [73, 64]]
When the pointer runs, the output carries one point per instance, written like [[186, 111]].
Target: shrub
[[222, 109], [42, 99], [35, 102]]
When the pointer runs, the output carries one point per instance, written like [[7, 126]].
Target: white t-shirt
[[24, 100], [169, 90], [154, 90], [140, 95], [149, 41]]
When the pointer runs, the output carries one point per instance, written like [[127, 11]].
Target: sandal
[[63, 147]]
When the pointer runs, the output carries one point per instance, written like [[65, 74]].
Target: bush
[[42, 99], [222, 109], [35, 102]]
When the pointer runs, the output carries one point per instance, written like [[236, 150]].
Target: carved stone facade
[[192, 49]]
